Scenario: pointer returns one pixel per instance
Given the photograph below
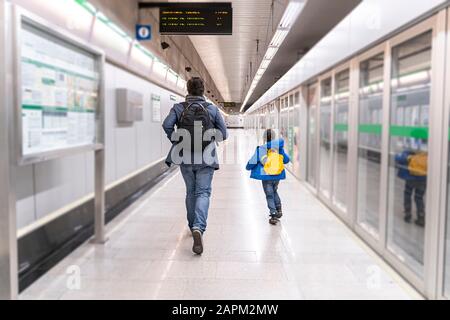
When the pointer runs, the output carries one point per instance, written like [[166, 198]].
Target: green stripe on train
[[341, 127], [397, 131], [371, 128], [409, 132]]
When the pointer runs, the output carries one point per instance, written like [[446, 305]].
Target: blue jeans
[[273, 199], [198, 180]]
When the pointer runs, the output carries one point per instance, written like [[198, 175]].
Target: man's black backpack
[[196, 120]]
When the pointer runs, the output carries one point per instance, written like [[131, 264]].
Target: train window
[[312, 133], [340, 150], [325, 136], [291, 100], [284, 120], [369, 142], [297, 98], [408, 161]]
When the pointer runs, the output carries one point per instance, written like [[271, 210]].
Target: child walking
[[267, 165]]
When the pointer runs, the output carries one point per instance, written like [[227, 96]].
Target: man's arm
[[169, 123], [220, 125]]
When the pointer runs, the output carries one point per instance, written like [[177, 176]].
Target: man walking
[[199, 126]]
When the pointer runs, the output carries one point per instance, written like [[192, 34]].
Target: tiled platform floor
[[310, 255]]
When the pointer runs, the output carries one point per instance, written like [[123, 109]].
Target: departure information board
[[196, 19], [60, 93]]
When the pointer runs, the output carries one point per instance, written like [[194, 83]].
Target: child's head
[[269, 135]]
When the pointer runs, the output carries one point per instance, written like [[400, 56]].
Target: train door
[[369, 141], [443, 287], [296, 135], [290, 130], [312, 104], [284, 119], [325, 114], [414, 142], [341, 105]]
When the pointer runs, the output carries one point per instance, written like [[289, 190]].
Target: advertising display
[[60, 90]]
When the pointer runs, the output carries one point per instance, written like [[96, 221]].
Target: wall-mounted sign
[[156, 108], [143, 32], [59, 94], [196, 19]]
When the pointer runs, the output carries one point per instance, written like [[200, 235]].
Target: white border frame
[[406, 271], [320, 192], [444, 216], [376, 243], [344, 214]]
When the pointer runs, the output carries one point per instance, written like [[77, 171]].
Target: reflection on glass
[[340, 150], [325, 136], [295, 141], [284, 119], [312, 131], [408, 167], [369, 142]]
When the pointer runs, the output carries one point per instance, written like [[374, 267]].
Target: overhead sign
[[143, 32], [196, 19]]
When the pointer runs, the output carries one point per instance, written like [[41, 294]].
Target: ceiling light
[[271, 52], [279, 37], [291, 13], [265, 64]]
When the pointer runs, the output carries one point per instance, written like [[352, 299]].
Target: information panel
[[196, 19], [60, 93], [156, 108]]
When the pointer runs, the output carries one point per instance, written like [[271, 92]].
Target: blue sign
[[143, 32]]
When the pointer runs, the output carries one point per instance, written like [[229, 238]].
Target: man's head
[[196, 87], [269, 135]]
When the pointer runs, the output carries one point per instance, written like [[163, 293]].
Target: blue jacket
[[403, 167], [257, 168], [175, 114]]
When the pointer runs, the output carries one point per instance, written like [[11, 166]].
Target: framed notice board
[[59, 91], [156, 108]]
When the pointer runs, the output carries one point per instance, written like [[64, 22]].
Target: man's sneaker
[[198, 242], [279, 214], [408, 218], [273, 221]]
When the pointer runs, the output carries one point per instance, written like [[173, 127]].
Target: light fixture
[[291, 14], [264, 64], [279, 37], [271, 52]]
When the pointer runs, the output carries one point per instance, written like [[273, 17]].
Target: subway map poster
[[60, 93]]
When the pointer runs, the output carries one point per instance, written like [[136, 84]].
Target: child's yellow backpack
[[274, 164], [418, 164]]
